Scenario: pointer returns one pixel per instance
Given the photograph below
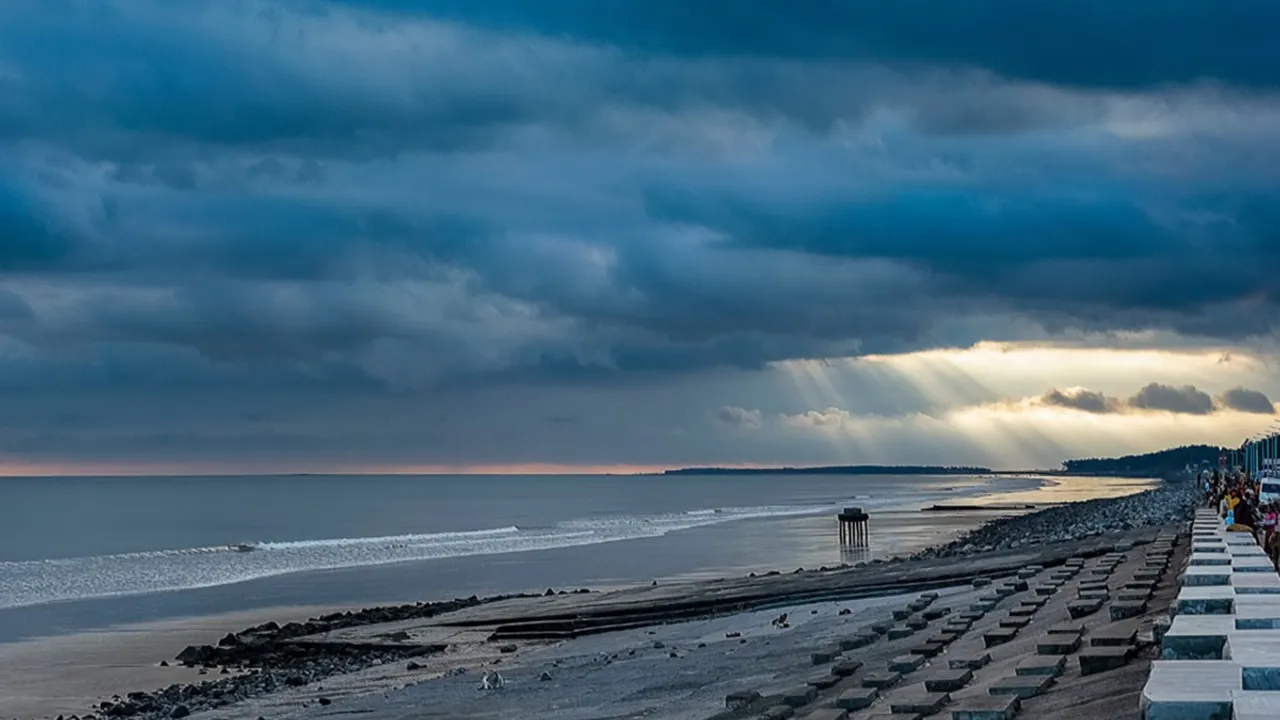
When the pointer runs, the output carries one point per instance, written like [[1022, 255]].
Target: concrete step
[[1004, 707]]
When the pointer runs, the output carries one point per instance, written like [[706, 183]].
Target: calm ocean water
[[81, 553]]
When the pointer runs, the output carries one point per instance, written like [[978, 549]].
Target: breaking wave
[[45, 581]]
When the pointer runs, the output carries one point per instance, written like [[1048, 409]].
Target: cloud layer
[[1158, 397], [375, 197]]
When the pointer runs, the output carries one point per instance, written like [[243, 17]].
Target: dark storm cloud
[[1130, 43], [1246, 400], [407, 198], [1186, 399], [1085, 400]]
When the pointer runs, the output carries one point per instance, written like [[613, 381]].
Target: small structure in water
[[853, 527]]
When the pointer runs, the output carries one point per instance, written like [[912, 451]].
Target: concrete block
[[822, 657], [828, 714], [857, 698], [1046, 590], [1206, 601], [929, 596], [898, 632], [1252, 564], [1026, 574], [917, 623], [1258, 655], [822, 681], [1005, 590], [972, 662], [1114, 635], [942, 638], [799, 696], [972, 615], [982, 607], [1249, 705], [902, 613], [1257, 612], [778, 712], [1253, 583], [1139, 585], [1101, 659], [1058, 645], [1015, 622], [925, 651], [1004, 707], [1042, 665], [1101, 571], [993, 598], [1134, 596], [846, 668], [1125, 610], [1202, 575], [1083, 608], [948, 680], [906, 663], [999, 636], [919, 701], [1018, 585], [1196, 637], [1035, 602], [856, 641], [1093, 594], [741, 699], [1071, 628], [1023, 611], [1190, 689], [1216, 559], [879, 628], [895, 716], [936, 613], [1147, 575], [918, 605], [1023, 686], [881, 680], [981, 582]]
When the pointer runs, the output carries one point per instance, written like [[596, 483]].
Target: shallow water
[[83, 553]]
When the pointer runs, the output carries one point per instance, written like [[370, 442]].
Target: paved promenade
[[1220, 658]]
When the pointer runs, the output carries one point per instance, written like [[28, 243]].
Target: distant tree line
[[1147, 463]]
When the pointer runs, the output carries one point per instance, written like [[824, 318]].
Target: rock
[[179, 711], [325, 701], [164, 663], [412, 666], [658, 644], [229, 640], [845, 611], [508, 648], [545, 676]]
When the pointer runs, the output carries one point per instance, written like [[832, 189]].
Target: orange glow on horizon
[[21, 468]]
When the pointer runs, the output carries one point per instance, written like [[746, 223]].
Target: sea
[[79, 554]]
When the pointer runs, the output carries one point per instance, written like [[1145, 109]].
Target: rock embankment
[[1170, 502], [263, 659]]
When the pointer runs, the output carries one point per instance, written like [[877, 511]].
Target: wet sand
[[64, 675]]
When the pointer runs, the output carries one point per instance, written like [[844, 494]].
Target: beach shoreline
[[94, 665]]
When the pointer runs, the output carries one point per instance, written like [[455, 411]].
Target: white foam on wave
[[45, 581]]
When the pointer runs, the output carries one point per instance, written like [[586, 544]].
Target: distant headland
[[1151, 464], [837, 470]]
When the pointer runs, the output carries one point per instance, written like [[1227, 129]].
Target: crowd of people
[[1236, 497]]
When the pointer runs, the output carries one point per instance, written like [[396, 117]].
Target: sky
[[610, 235]]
